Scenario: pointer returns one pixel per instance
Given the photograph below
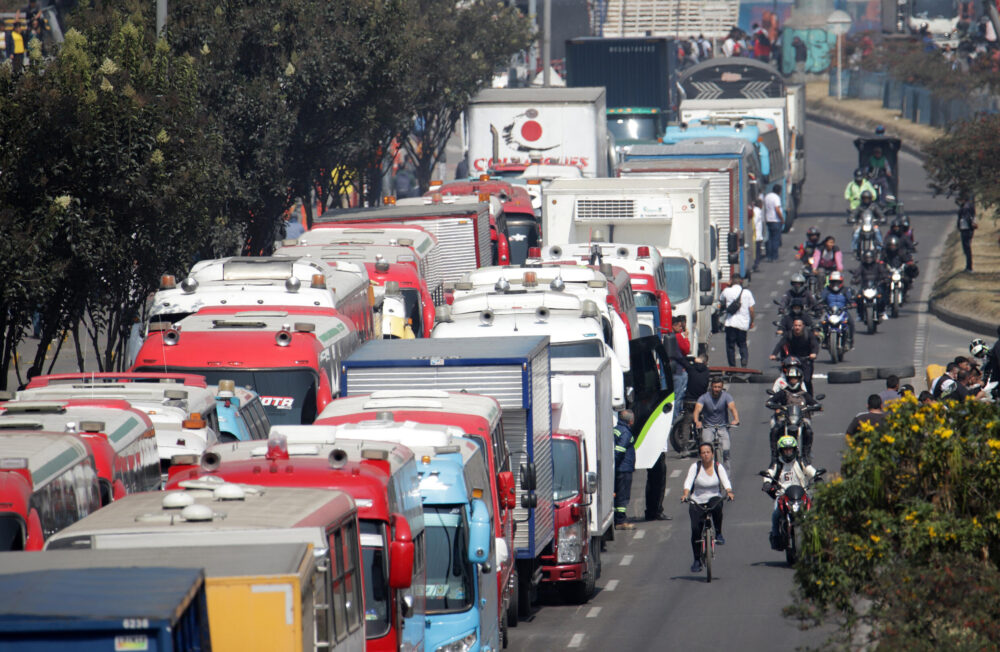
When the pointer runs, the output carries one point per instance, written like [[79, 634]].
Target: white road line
[[626, 560], [639, 534], [667, 492], [675, 473], [832, 434], [576, 640], [611, 585], [787, 272], [593, 613], [823, 376], [774, 294]]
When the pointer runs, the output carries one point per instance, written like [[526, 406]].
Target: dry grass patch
[[975, 294]]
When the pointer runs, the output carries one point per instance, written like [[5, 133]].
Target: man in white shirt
[[774, 217], [739, 319], [759, 232]]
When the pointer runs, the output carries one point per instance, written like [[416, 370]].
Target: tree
[[456, 51], [964, 160], [914, 511]]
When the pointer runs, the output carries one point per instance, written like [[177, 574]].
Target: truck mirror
[[479, 533], [591, 485], [733, 243], [705, 300], [503, 554], [734, 258], [527, 477], [400, 553], [508, 492], [667, 407], [629, 395], [529, 501], [800, 142], [705, 279], [406, 606]]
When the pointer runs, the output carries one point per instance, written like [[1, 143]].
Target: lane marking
[[787, 272], [626, 560], [833, 434], [675, 473], [667, 492], [576, 640], [639, 534], [823, 376], [594, 612], [611, 585]]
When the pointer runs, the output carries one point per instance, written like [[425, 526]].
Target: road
[[647, 597]]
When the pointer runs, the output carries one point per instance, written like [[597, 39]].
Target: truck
[[564, 126], [640, 75], [514, 371], [732, 168], [231, 516], [742, 88], [258, 597], [670, 214], [85, 609]]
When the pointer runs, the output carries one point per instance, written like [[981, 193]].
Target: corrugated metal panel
[[604, 209], [457, 242], [514, 428], [501, 382], [541, 414], [719, 200]]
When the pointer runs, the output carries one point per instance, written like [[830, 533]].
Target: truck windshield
[[637, 127], [583, 349], [414, 310], [645, 299], [376, 578], [566, 469], [678, 279], [934, 9], [521, 236], [11, 532], [288, 395], [450, 574]]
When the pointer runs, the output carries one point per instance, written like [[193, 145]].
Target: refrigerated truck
[[732, 169], [513, 370], [670, 214], [565, 126]]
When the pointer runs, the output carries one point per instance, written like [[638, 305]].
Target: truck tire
[[843, 377], [902, 372], [523, 597]]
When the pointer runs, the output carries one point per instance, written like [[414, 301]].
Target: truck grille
[[605, 209]]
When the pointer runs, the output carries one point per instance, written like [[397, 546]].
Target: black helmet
[[812, 234], [905, 221], [859, 173], [796, 303], [866, 195], [879, 130], [868, 258], [794, 378], [892, 242], [896, 226], [790, 361]]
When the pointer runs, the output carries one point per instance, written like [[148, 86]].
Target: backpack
[[722, 489], [733, 306]]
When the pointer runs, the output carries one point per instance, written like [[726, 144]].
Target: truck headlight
[[463, 644], [570, 543]]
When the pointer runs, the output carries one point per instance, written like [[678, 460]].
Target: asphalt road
[[647, 598]]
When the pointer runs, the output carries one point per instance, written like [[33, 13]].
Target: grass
[[973, 294]]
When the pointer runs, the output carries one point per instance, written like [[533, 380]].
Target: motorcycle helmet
[[794, 378], [979, 348], [788, 362], [798, 283], [879, 130], [859, 175], [867, 258], [892, 243], [866, 196], [896, 228], [812, 234], [905, 221], [788, 448], [836, 281]]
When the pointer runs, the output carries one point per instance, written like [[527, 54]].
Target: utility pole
[[547, 45], [161, 16]]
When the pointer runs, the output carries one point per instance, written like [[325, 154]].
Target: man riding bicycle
[[716, 411]]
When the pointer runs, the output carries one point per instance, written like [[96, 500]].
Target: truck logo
[[278, 402], [524, 132]]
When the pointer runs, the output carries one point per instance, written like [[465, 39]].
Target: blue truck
[[514, 371], [65, 610]]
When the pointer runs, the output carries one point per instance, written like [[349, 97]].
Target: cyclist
[[706, 481], [717, 410], [788, 470]]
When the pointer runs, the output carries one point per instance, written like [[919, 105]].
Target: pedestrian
[[704, 47], [736, 304], [775, 220], [944, 385], [678, 369], [624, 467], [925, 398], [967, 226], [801, 56], [716, 409], [891, 391], [293, 228], [873, 416], [759, 231], [15, 46], [802, 343]]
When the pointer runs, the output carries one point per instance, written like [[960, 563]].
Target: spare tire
[[902, 372], [843, 377]]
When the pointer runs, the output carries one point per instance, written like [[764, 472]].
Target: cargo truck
[[640, 75], [564, 126], [670, 214], [514, 371]]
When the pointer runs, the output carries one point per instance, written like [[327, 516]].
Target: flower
[[889, 439], [156, 158], [109, 67], [993, 443], [914, 427], [162, 137], [867, 427], [876, 538], [63, 201], [106, 85]]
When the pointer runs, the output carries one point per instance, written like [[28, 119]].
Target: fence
[[915, 103]]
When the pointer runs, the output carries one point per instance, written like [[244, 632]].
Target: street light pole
[[161, 16], [840, 68], [547, 48]]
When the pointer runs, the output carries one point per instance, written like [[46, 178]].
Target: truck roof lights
[[227, 388], [277, 447], [92, 426], [168, 282], [589, 309], [177, 500], [194, 422], [389, 200], [435, 183], [189, 285], [175, 394], [530, 280], [642, 251], [534, 252], [292, 284], [304, 327], [378, 454], [229, 491], [318, 282], [13, 463]]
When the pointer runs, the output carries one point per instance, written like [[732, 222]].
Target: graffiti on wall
[[820, 47]]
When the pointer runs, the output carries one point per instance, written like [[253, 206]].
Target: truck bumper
[[562, 572]]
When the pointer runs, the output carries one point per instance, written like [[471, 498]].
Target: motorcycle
[[835, 333], [792, 417], [897, 290], [793, 502], [867, 302], [866, 235]]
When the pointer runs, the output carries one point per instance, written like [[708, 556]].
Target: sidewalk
[[969, 301]]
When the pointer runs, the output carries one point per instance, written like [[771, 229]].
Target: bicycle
[[684, 436], [707, 533]]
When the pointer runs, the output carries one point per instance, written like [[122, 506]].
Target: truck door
[[654, 389]]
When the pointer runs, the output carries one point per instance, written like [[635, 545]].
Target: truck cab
[[240, 412]]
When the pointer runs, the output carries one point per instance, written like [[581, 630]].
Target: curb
[[968, 323]]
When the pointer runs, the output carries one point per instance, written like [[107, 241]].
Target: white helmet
[[978, 348]]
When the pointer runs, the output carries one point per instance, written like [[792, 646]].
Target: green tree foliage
[[456, 51], [110, 173], [914, 514], [964, 160]]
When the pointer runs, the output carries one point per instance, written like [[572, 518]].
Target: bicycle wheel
[[708, 542]]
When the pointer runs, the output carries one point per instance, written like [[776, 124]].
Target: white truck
[[562, 126], [581, 400], [670, 214]]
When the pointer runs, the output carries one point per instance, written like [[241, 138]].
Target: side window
[[500, 446], [337, 586], [211, 418], [352, 580]]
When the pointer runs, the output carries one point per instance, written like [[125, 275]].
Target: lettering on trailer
[[278, 402], [485, 163]]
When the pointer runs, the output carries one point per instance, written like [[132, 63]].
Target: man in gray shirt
[[891, 391], [716, 409]]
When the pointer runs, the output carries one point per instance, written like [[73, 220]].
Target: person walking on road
[[737, 303], [774, 218], [802, 343], [716, 409], [759, 232], [706, 481], [966, 227], [624, 467]]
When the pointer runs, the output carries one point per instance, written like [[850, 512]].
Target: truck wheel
[[512, 606], [504, 633], [581, 592], [523, 597]]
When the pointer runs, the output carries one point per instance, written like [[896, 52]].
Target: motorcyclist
[[908, 230], [836, 295], [874, 272], [801, 343], [794, 394], [828, 258], [796, 310], [896, 229], [867, 203], [786, 471], [807, 248], [797, 290], [880, 163], [896, 255], [852, 193], [782, 382]]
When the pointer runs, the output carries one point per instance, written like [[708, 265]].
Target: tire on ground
[[902, 372], [843, 377], [766, 378], [868, 373]]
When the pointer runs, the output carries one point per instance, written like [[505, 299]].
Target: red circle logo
[[531, 131]]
